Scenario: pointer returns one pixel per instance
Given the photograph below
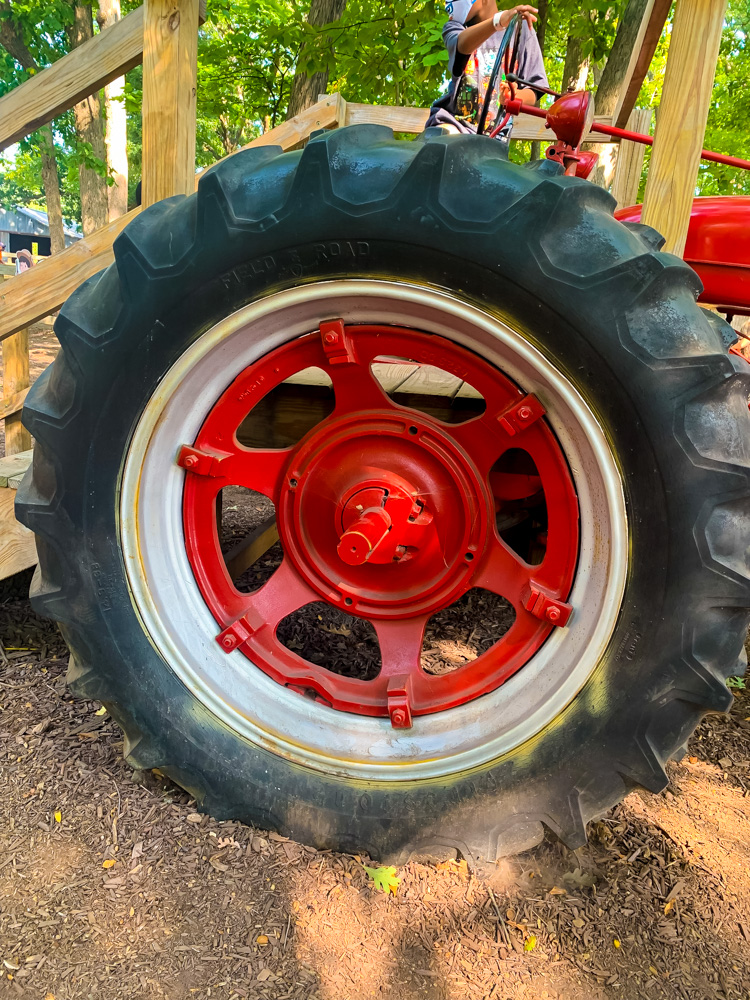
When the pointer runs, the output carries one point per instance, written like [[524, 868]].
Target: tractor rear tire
[[362, 227]]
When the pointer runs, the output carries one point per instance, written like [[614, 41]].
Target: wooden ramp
[[17, 548]]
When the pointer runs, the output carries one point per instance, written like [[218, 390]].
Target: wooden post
[[630, 160], [654, 18], [681, 119], [170, 69], [15, 378]]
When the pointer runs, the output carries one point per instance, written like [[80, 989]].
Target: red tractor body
[[717, 248]]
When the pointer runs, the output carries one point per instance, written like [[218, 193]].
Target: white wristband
[[496, 20]]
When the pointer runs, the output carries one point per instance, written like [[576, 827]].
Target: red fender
[[717, 248]]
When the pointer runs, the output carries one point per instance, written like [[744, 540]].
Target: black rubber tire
[[618, 317]]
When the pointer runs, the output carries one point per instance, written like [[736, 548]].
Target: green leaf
[[384, 878]]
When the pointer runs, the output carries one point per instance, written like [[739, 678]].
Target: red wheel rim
[[385, 513]]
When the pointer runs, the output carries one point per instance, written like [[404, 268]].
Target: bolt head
[[553, 614], [189, 461], [398, 718], [525, 413], [228, 642], [331, 337]]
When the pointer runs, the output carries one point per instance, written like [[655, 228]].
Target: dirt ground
[[112, 886]]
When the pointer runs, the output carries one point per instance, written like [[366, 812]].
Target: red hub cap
[[387, 514]]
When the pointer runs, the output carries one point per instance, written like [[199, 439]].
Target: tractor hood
[[717, 248]]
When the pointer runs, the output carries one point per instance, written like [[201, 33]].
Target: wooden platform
[[17, 548]]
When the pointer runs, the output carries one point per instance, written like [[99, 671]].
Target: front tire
[[546, 289]]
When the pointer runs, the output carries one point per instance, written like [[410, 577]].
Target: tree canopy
[[388, 53]]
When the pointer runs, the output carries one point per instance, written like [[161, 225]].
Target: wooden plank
[[391, 374], [170, 81], [648, 38], [528, 129], [630, 156], [430, 381], [468, 392], [412, 121], [17, 546], [15, 379], [14, 466], [246, 552], [12, 404], [309, 376], [681, 123], [67, 81], [326, 113]]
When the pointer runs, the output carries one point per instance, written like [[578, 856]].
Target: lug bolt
[[553, 614], [190, 461], [525, 413], [331, 338], [398, 718]]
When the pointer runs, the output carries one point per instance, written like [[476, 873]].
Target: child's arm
[[471, 38]]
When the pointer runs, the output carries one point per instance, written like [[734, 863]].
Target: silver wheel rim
[[182, 629]]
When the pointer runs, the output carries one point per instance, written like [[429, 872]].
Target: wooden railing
[[163, 35]]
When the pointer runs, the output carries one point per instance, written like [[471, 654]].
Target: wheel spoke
[[504, 573], [284, 593], [400, 645], [482, 440], [259, 469], [356, 388]]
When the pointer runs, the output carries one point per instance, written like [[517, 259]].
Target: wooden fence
[[163, 35]]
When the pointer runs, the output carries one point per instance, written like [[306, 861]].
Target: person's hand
[[526, 11], [504, 94]]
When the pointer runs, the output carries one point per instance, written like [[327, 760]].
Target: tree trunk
[[612, 82], [576, 68], [305, 89], [51, 189], [90, 129], [613, 76], [541, 34], [11, 38], [115, 133], [541, 23]]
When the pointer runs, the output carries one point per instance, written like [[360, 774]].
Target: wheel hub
[[382, 521], [383, 516]]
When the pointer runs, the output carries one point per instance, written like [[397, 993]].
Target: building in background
[[22, 228]]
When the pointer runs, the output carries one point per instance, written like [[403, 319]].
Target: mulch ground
[[113, 886]]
